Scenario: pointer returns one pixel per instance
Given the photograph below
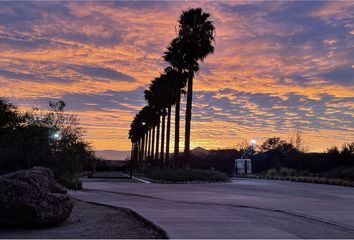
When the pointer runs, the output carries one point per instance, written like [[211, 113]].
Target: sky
[[278, 67]]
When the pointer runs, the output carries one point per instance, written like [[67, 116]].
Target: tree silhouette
[[193, 43], [50, 138], [196, 34], [176, 57]]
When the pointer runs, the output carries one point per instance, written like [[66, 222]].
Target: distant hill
[[122, 155], [113, 154], [200, 152]]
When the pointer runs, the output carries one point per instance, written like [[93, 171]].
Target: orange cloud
[[255, 53]]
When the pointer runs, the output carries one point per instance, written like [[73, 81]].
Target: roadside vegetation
[[49, 138], [279, 159], [285, 174]]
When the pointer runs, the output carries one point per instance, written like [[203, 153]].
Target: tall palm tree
[[150, 100], [171, 83], [141, 126], [159, 94], [153, 96], [136, 134], [175, 56], [196, 33]]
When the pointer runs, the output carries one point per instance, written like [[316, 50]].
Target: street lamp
[[143, 123], [56, 136]]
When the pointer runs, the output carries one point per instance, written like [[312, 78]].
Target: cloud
[[277, 66], [343, 75], [101, 72]]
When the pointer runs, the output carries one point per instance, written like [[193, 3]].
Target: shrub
[[348, 174], [283, 172], [52, 139], [347, 184], [322, 180], [187, 175], [287, 172], [305, 173], [272, 172], [310, 179], [72, 183], [335, 172], [292, 172]]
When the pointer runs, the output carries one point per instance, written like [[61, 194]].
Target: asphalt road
[[243, 208]]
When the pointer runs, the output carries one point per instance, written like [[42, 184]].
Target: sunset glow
[[278, 67]]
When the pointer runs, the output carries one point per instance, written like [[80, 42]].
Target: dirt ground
[[92, 221]]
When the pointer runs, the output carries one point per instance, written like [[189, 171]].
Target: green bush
[[187, 175], [285, 172], [49, 138], [71, 183], [272, 172]]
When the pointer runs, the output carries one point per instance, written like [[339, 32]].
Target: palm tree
[[171, 83], [149, 98], [141, 126], [153, 96], [136, 133], [193, 43], [176, 58], [159, 94], [196, 34]]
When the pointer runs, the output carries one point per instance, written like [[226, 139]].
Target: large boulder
[[33, 198]]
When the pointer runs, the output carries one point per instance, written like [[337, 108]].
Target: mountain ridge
[[110, 154]]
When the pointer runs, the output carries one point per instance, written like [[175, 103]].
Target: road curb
[[138, 179], [135, 215]]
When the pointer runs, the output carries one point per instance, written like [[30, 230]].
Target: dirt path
[[92, 221]]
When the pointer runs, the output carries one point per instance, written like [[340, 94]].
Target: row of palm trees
[[192, 44]]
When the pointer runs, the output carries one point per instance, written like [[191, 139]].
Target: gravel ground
[[92, 221]]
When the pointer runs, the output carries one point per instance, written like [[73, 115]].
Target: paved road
[[243, 208]]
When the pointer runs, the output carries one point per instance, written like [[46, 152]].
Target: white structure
[[243, 166]]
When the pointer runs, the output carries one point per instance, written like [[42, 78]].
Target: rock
[[33, 198]]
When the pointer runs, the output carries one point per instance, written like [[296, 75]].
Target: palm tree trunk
[[188, 118], [131, 151], [138, 153], [153, 143], [149, 143], [162, 138], [142, 148], [134, 154], [177, 117], [168, 137], [157, 140], [146, 145], [131, 161]]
